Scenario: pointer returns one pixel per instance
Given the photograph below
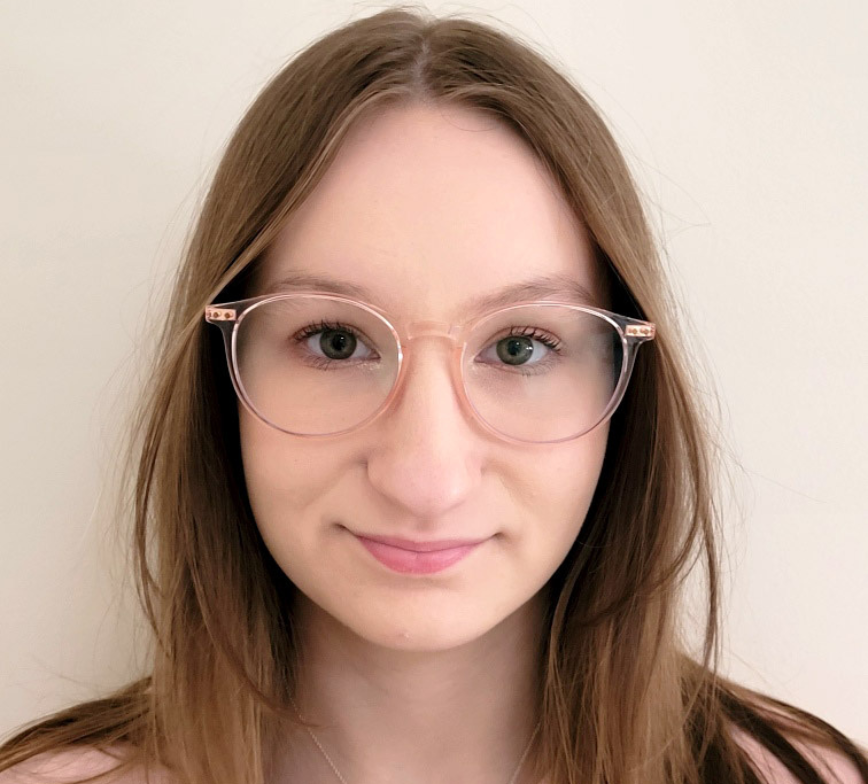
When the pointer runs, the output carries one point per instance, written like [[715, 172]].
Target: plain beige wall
[[746, 123]]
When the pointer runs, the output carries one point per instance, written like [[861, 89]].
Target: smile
[[410, 557]]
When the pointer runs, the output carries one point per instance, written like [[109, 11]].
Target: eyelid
[[538, 334]]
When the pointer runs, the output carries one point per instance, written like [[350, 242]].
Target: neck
[[387, 716]]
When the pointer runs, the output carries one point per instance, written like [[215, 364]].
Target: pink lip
[[411, 557]]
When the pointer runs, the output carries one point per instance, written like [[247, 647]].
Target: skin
[[422, 678]]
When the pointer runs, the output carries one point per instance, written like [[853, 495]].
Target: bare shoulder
[[834, 767], [73, 765]]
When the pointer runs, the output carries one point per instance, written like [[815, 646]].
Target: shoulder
[[73, 765], [833, 766]]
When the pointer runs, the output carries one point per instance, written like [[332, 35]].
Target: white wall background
[[746, 122]]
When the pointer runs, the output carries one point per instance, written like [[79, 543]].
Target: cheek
[[282, 476], [565, 481]]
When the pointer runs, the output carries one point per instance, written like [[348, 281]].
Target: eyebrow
[[558, 286]]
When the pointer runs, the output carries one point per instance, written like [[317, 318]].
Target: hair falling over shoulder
[[621, 702]]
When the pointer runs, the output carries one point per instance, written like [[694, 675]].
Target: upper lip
[[421, 547]]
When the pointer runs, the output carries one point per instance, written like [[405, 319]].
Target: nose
[[426, 451]]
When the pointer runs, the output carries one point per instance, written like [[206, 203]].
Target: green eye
[[515, 350], [337, 344]]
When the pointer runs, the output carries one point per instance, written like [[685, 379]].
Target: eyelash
[[548, 340], [323, 326]]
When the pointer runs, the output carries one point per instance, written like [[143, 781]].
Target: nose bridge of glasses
[[433, 329], [449, 336], [424, 373]]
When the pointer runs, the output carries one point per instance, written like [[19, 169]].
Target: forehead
[[429, 209]]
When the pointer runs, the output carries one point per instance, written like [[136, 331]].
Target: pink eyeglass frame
[[228, 316]]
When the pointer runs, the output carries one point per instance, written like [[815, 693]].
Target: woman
[[407, 520]]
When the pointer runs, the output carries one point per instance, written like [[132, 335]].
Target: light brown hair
[[621, 699]]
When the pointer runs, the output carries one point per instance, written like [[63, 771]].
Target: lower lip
[[412, 562]]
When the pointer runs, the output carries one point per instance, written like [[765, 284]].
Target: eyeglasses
[[318, 364]]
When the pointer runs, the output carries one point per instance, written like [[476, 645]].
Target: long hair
[[621, 699]]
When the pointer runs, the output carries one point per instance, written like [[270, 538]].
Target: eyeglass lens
[[315, 366]]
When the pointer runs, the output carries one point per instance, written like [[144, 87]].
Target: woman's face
[[427, 208]]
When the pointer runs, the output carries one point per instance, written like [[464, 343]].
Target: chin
[[421, 638], [432, 629]]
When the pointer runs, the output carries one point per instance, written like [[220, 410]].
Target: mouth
[[407, 556]]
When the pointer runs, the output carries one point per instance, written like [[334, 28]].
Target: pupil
[[515, 350], [337, 345]]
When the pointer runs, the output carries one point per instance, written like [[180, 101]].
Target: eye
[[334, 342], [523, 346]]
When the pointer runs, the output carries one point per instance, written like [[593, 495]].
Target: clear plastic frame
[[561, 369]]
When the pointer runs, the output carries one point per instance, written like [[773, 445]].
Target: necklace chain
[[339, 775]]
